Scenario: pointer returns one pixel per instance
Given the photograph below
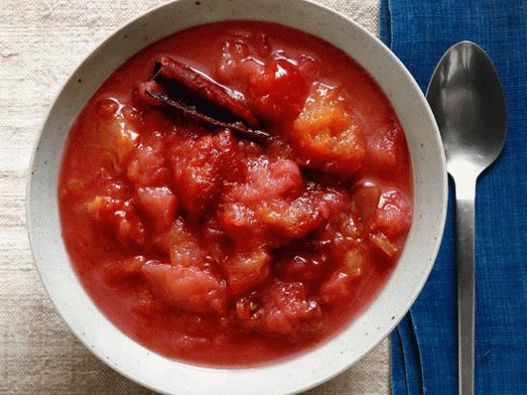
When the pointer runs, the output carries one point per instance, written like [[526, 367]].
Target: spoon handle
[[465, 230]]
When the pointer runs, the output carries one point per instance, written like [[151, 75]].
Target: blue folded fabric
[[406, 360], [424, 345]]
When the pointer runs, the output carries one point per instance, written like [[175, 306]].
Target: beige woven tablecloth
[[41, 43]]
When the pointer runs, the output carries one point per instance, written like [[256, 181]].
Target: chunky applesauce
[[235, 193]]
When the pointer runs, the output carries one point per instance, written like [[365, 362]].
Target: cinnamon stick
[[180, 80], [161, 98]]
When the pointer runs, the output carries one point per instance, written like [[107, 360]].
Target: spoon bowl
[[467, 99]]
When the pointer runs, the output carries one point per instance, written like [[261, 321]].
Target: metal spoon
[[467, 99]]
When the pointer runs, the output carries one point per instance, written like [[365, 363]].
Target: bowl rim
[[312, 382]]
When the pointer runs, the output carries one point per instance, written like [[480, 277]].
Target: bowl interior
[[306, 370]]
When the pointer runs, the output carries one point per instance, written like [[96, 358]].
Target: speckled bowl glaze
[[305, 370]]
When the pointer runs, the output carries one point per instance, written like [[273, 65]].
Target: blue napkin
[[424, 346]]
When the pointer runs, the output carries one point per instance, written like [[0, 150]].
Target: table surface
[[43, 41]]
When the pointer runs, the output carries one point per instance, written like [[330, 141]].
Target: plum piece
[[326, 133], [148, 166], [116, 271], [384, 148], [116, 131], [383, 244], [394, 213], [282, 309], [236, 65], [336, 288], [279, 92], [366, 197], [350, 227], [187, 288], [353, 262], [342, 283], [270, 203], [301, 266], [181, 245], [242, 58], [289, 310], [246, 270], [120, 216], [240, 214], [294, 219], [238, 221], [267, 180], [279, 220], [200, 167], [160, 204]]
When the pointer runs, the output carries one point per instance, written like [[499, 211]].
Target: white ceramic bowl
[[308, 369]]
